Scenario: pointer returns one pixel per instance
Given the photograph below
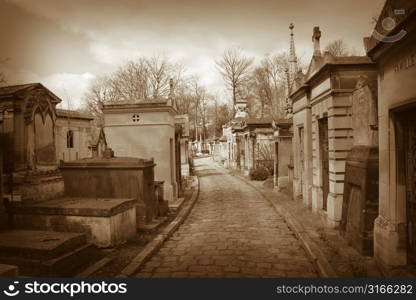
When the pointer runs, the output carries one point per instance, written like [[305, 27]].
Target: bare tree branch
[[338, 48], [234, 67]]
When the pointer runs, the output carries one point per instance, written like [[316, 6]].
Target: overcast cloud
[[65, 44]]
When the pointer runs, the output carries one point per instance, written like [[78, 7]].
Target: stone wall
[[81, 129], [302, 149], [396, 95]]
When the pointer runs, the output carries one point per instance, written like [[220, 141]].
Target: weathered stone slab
[[46, 253], [74, 206], [38, 244], [8, 271], [115, 177], [107, 222]]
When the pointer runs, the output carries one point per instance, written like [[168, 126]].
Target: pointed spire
[[293, 60]]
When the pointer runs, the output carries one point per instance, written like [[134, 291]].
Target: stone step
[[63, 266], [39, 245], [176, 206], [152, 226]]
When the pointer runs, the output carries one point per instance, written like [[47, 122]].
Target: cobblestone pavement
[[232, 231]]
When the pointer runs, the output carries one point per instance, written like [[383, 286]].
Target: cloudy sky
[[66, 43]]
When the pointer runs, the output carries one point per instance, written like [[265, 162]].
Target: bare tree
[[159, 75], [185, 95], [140, 79], [220, 113], [267, 84], [130, 81], [234, 67], [339, 48], [99, 92]]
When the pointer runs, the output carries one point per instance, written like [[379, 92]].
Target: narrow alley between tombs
[[232, 231]]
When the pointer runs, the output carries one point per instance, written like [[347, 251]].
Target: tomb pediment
[[29, 114]]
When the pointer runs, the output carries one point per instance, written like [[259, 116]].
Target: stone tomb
[[114, 177], [283, 152], [360, 202], [146, 128], [46, 253], [395, 226], [107, 222], [28, 113], [34, 186]]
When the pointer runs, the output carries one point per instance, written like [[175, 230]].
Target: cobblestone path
[[232, 231]]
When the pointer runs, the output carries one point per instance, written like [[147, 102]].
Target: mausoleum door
[[324, 145], [44, 140], [410, 164]]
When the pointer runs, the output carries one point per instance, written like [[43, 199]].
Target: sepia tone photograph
[[207, 139]]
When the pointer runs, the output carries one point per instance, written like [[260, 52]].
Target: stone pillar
[[307, 180], [390, 246], [284, 144]]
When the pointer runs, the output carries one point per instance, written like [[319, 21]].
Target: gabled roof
[[97, 135], [319, 63], [12, 90]]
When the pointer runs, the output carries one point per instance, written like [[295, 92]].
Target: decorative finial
[[315, 39]]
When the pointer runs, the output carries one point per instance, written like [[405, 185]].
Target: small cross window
[[136, 118]]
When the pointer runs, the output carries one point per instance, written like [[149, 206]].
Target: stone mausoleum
[[146, 128], [322, 123], [394, 49], [73, 134], [53, 229]]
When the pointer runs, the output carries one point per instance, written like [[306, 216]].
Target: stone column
[[390, 247]]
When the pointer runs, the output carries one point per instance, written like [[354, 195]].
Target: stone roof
[[12, 90], [134, 102], [283, 122], [223, 139], [66, 113], [113, 161], [258, 121], [318, 63]]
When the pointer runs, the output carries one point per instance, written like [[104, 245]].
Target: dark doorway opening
[[324, 151]]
